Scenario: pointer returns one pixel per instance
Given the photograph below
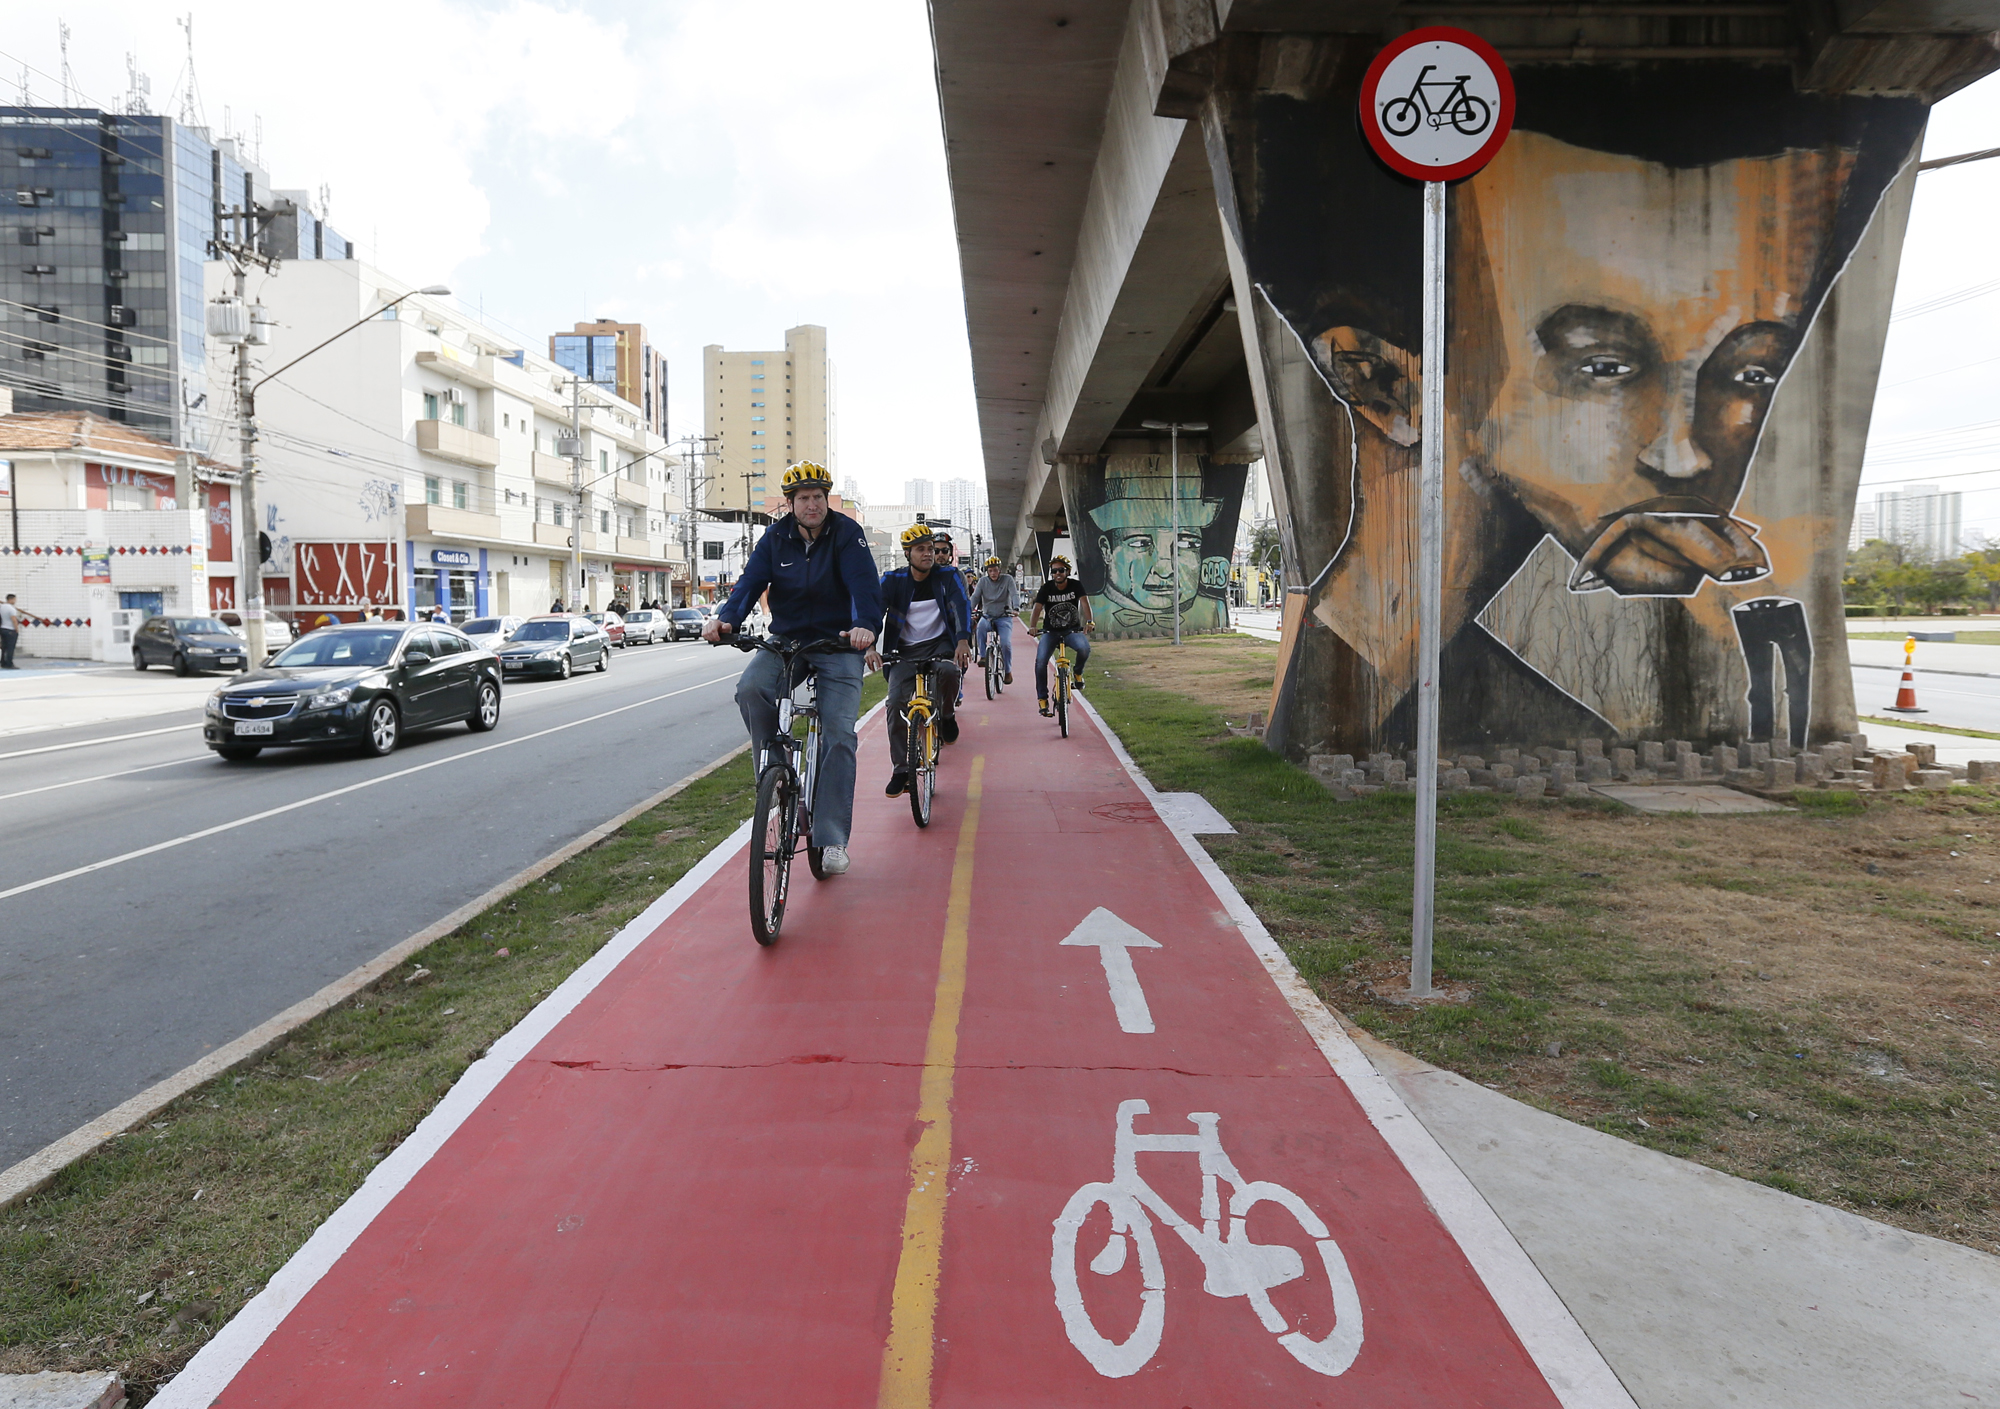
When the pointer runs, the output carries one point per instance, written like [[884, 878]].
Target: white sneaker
[[833, 861]]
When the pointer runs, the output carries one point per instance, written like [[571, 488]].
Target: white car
[[645, 625], [277, 631], [490, 632]]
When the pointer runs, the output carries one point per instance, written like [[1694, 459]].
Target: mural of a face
[[1139, 565], [1646, 315]]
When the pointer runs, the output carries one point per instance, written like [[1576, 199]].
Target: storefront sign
[[451, 557]]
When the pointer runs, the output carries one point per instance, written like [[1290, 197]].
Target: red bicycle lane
[[697, 1188]]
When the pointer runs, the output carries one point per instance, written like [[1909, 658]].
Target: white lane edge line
[[100, 777], [107, 739], [217, 1363], [1568, 1359], [279, 811]]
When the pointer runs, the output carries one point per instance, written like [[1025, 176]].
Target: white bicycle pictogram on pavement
[[1235, 1266]]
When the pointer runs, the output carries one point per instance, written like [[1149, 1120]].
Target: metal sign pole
[[1430, 592], [1176, 492]]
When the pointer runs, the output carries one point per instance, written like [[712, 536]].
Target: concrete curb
[[1926, 670], [37, 1170]]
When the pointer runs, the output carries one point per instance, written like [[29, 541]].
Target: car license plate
[[253, 726], [232, 660]]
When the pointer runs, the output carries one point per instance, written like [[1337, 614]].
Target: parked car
[[365, 683], [489, 633], [187, 643], [611, 624], [645, 625], [555, 644], [686, 624], [278, 632]]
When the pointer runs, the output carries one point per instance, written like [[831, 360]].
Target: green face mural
[[1126, 558]]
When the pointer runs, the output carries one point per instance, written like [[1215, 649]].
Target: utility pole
[[241, 253], [696, 480], [576, 491]]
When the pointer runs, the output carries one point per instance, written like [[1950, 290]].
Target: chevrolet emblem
[[256, 702]]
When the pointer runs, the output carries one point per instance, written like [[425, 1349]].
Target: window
[[556, 513], [458, 413], [433, 490], [604, 462], [756, 462], [711, 552], [757, 362], [506, 421], [430, 406], [757, 418], [458, 495], [756, 376], [604, 521], [755, 404]]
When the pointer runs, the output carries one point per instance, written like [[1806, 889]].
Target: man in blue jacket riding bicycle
[[925, 618], [816, 565]]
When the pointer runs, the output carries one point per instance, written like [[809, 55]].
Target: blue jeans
[[1046, 647], [839, 685], [1000, 627]]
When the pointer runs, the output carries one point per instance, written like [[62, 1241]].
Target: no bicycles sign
[[1437, 103]]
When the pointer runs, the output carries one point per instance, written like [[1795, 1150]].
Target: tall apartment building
[[766, 410], [620, 358], [957, 500], [1921, 516], [921, 492], [112, 216], [1863, 529]]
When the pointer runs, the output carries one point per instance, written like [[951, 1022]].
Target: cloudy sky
[[722, 170]]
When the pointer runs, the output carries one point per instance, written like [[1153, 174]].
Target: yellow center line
[[906, 1357]]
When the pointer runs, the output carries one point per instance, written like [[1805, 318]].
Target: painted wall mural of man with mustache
[[1627, 300]]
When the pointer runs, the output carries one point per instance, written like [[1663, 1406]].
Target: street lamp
[[248, 544], [1174, 428]]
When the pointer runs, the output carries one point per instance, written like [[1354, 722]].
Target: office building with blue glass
[[112, 216]]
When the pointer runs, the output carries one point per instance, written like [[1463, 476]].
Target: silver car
[[487, 632], [645, 625]]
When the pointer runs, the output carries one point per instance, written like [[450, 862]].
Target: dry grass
[[1810, 999]]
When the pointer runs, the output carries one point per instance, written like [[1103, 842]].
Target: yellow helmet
[[991, 563], [918, 533], [1059, 561], [806, 475]]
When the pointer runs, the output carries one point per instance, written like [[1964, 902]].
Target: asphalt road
[[169, 944], [1956, 701]]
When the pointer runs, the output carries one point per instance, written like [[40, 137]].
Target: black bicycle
[[996, 679], [1468, 114], [787, 784]]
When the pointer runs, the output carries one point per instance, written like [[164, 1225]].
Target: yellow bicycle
[[1064, 664], [920, 734]]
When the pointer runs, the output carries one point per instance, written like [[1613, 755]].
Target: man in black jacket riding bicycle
[[924, 619], [816, 565]]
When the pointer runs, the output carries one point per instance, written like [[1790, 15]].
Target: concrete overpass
[[1145, 190]]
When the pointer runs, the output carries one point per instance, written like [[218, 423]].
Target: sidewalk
[[1937, 657], [58, 694], [876, 1165]]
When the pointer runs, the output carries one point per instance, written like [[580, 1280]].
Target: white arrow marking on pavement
[[1114, 940]]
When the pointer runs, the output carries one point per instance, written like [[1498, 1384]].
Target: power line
[[1943, 301], [41, 312], [1945, 372], [101, 361]]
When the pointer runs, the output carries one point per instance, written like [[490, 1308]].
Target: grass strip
[[1927, 728], [1805, 999], [134, 1255]]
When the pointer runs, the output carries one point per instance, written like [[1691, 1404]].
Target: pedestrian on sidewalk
[[923, 620], [821, 579], [10, 631], [995, 599], [1062, 615]]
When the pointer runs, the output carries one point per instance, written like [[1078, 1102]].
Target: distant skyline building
[[1863, 530], [1922, 517], [920, 492], [620, 358], [956, 500], [112, 217], [765, 411]]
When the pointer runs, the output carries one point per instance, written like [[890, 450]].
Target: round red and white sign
[[1437, 103]]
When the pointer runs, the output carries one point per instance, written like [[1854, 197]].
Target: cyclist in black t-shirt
[[1062, 609]]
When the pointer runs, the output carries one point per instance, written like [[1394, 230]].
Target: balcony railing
[[630, 493], [552, 469]]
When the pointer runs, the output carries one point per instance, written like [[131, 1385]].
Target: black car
[[555, 645], [363, 683], [687, 624], [188, 644]]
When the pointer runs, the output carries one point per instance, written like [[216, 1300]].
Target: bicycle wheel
[[1400, 117], [1130, 1227], [992, 668], [773, 833], [1471, 115], [1062, 699], [922, 768], [1334, 1349]]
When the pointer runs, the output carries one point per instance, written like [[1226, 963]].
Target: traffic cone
[[1906, 694]]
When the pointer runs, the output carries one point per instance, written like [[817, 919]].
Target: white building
[[1864, 530], [920, 492], [424, 459], [1921, 517]]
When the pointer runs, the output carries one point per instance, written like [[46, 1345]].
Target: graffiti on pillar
[[1122, 522], [1626, 299]]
